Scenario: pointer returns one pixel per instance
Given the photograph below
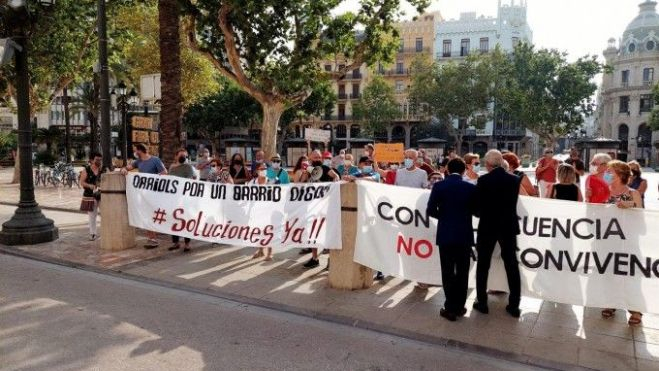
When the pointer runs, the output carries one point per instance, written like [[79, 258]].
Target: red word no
[[421, 248]]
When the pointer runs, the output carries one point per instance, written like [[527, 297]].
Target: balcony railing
[[414, 49], [396, 72], [352, 76], [355, 96], [337, 118], [343, 96]]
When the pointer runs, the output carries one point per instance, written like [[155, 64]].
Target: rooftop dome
[[646, 22]]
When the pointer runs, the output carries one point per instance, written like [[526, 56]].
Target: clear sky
[[577, 26]]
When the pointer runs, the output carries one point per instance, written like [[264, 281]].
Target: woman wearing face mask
[[617, 176], [218, 174], [90, 179], [347, 168], [238, 171], [182, 169], [472, 160], [597, 190], [636, 181], [261, 179], [300, 168], [276, 173]]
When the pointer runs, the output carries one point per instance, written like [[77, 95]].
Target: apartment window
[[464, 47], [355, 90], [328, 67], [485, 45], [647, 102], [648, 76], [399, 86], [342, 111], [624, 104], [419, 44], [515, 41], [400, 68], [401, 47], [625, 78], [342, 92], [356, 74], [446, 51]]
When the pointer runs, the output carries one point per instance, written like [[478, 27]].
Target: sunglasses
[[549, 153], [276, 162]]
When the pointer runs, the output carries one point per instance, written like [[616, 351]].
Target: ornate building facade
[[625, 99], [456, 39]]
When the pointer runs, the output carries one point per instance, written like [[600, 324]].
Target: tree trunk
[[170, 68], [67, 125], [93, 128], [271, 114]]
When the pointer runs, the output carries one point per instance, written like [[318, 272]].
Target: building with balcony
[[625, 99], [417, 39], [456, 39]]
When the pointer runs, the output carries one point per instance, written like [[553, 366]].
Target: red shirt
[[390, 178], [548, 174], [599, 190]]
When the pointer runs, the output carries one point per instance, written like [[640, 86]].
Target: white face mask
[[276, 165], [327, 162], [262, 173], [593, 169], [347, 163], [393, 167], [419, 161]]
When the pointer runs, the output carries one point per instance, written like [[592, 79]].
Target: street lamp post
[[123, 102], [28, 225]]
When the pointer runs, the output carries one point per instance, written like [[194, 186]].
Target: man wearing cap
[[275, 173]]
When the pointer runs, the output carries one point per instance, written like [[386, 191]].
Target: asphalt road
[[59, 318]]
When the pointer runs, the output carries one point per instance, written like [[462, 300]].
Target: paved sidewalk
[[570, 335], [48, 197]]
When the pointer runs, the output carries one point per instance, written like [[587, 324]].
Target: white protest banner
[[300, 215], [317, 135], [573, 253]]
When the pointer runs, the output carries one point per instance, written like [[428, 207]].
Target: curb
[[327, 317]]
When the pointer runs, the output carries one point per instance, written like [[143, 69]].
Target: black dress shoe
[[515, 312], [462, 312], [448, 315], [481, 308]]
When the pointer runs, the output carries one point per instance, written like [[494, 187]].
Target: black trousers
[[485, 247], [455, 260], [176, 239]]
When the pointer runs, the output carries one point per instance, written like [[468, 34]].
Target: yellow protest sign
[[389, 152]]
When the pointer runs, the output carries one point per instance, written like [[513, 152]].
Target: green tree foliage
[[273, 49], [8, 142], [141, 53], [377, 106], [451, 92], [554, 95]]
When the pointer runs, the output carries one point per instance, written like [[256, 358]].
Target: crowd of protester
[[462, 187]]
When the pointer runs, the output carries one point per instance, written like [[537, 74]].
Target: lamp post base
[[28, 226]]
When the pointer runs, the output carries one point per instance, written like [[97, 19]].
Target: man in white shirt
[[411, 175]]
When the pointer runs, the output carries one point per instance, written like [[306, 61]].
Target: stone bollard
[[344, 273], [116, 234]]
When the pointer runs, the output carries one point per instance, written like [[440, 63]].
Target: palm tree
[[88, 101], [171, 113]]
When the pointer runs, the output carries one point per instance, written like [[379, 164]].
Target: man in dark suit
[[450, 202], [495, 203]]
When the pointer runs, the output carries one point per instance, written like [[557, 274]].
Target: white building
[[456, 39], [626, 93]]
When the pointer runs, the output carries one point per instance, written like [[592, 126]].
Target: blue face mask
[[608, 178], [409, 163], [477, 168], [367, 169]]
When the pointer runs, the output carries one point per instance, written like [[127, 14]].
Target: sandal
[[187, 249], [257, 254], [175, 247], [635, 319], [608, 313]]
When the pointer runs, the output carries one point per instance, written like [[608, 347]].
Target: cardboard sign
[[389, 152], [317, 135], [140, 136], [139, 122]]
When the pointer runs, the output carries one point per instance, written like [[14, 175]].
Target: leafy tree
[[377, 106], [554, 95], [8, 142], [452, 92], [50, 137], [273, 49]]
